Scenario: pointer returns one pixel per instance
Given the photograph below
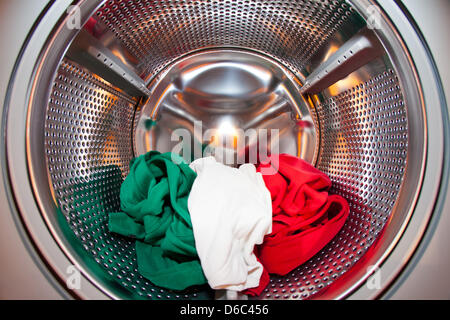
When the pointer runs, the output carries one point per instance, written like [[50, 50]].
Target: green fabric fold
[[153, 200]]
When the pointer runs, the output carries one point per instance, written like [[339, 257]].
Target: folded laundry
[[231, 212], [296, 241], [153, 200], [305, 217], [230, 227]]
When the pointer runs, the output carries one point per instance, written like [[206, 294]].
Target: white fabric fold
[[231, 212]]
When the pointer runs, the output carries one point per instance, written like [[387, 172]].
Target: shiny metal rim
[[13, 165]]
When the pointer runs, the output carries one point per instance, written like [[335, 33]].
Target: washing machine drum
[[327, 81]]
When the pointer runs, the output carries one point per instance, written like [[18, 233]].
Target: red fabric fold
[[297, 243], [305, 217]]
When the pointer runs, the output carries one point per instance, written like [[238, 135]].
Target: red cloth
[[305, 217], [263, 282]]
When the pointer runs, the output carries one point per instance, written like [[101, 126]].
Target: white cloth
[[229, 295], [231, 212]]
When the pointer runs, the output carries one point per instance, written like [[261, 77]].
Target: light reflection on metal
[[227, 92]]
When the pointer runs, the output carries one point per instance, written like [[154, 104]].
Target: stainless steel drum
[[104, 81]]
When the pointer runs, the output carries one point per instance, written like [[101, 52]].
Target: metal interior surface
[[222, 91], [240, 64]]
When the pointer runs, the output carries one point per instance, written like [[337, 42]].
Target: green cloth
[[153, 199]]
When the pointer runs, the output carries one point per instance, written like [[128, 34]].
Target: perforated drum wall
[[158, 32], [90, 123]]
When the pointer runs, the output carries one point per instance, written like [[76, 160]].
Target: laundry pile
[[229, 227], [153, 198]]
